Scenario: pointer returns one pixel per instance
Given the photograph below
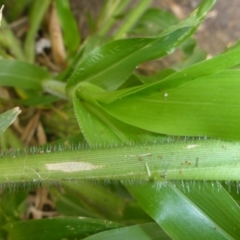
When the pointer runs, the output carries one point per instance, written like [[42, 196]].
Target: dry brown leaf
[[1, 10], [30, 129], [176, 9], [41, 136], [55, 32]]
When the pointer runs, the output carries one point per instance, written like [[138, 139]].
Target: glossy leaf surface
[[206, 209], [110, 65], [208, 106]]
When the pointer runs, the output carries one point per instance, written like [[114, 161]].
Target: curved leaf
[[21, 74], [99, 127], [69, 25], [8, 117], [110, 65], [208, 106], [193, 210]]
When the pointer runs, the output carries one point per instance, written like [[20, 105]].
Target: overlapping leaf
[[110, 65], [208, 106], [200, 100], [98, 127], [148, 231]]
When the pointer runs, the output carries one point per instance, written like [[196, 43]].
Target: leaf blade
[[21, 74], [207, 106], [173, 210], [110, 65], [7, 118]]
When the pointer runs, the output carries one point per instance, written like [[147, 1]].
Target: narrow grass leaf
[[8, 39], [205, 68], [37, 13], [7, 118], [69, 25], [21, 74]]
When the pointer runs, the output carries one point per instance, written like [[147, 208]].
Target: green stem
[[55, 88], [163, 161], [132, 18]]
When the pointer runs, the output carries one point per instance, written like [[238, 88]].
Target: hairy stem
[[55, 87], [163, 161]]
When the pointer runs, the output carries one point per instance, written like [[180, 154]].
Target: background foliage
[[138, 156]]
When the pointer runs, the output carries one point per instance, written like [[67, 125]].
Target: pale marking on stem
[[191, 146], [139, 155], [71, 166]]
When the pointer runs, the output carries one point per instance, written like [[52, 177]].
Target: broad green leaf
[[69, 25], [98, 127], [38, 10], [21, 75], [8, 117], [92, 42], [147, 231], [191, 210], [38, 100], [110, 65], [202, 69], [208, 106], [57, 228]]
